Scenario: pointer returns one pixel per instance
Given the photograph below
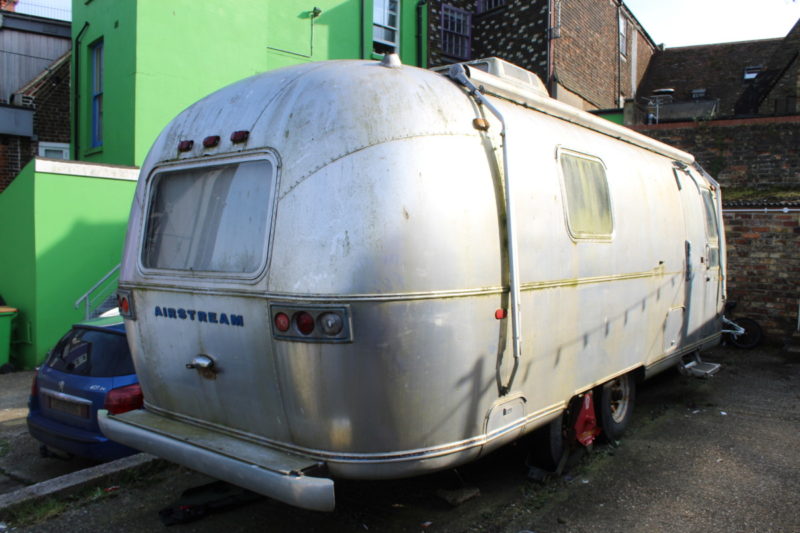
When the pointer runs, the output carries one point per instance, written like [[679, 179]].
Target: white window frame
[[623, 35], [381, 15], [61, 147]]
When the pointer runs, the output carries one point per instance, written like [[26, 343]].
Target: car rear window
[[90, 352]]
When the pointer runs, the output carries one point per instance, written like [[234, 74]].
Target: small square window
[[54, 150], [751, 72]]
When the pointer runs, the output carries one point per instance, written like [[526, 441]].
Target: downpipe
[[458, 73]]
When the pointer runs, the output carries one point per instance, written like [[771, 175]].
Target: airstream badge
[[210, 317]]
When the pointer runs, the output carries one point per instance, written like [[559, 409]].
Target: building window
[[623, 35], [96, 56], [588, 204], [456, 26], [751, 72], [54, 150], [385, 26], [488, 5]]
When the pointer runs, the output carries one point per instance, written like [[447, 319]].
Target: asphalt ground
[[700, 456]]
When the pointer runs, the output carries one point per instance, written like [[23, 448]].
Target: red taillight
[[282, 322], [211, 141], [35, 386], [239, 136], [185, 146], [124, 399], [124, 305], [305, 322]]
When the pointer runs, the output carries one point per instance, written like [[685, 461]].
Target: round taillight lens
[[331, 323], [304, 322], [282, 322]]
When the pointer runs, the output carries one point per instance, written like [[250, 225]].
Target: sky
[[690, 22], [669, 22]]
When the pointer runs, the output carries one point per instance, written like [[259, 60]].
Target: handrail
[[86, 298], [459, 74]]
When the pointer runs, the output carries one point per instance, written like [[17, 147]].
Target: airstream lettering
[[430, 264]]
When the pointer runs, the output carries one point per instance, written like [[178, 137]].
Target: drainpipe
[[76, 143], [420, 39], [459, 73]]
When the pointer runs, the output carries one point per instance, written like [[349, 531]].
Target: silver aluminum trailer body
[[368, 192]]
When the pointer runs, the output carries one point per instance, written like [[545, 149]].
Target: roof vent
[[512, 79]]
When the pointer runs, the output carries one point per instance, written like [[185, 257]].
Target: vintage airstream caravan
[[362, 269]]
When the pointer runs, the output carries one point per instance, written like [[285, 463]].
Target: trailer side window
[[712, 231], [586, 196], [210, 218]]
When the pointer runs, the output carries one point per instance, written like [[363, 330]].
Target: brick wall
[[51, 119], [15, 152], [764, 266], [51, 97], [759, 153]]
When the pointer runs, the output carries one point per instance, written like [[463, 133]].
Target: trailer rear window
[[210, 218], [587, 198]]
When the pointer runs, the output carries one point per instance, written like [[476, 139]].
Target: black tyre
[[614, 405], [752, 336]]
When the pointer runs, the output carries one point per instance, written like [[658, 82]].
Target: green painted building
[[62, 226], [137, 64]]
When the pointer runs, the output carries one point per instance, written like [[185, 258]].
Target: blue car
[[90, 368]]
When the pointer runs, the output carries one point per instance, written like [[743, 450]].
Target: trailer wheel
[[614, 405]]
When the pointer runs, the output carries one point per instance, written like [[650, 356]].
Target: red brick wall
[[586, 54], [764, 267], [15, 152], [759, 153]]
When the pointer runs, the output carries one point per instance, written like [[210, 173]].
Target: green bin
[[7, 314]]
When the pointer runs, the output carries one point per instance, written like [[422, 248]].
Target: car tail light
[[185, 146], [124, 399], [35, 386], [125, 304], [311, 323]]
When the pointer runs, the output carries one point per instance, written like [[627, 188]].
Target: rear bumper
[[73, 440], [267, 471]]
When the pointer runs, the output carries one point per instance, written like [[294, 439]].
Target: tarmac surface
[[700, 456]]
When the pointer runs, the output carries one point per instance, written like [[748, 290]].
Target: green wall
[[114, 21], [161, 56], [17, 257], [69, 231]]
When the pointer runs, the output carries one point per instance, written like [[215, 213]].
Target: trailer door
[[700, 278]]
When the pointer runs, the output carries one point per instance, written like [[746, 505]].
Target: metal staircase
[[102, 297]]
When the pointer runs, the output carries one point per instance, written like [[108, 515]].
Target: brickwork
[[585, 50], [758, 153], [51, 96], [764, 267], [15, 152], [51, 120]]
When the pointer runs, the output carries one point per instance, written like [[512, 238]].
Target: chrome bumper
[[272, 473]]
